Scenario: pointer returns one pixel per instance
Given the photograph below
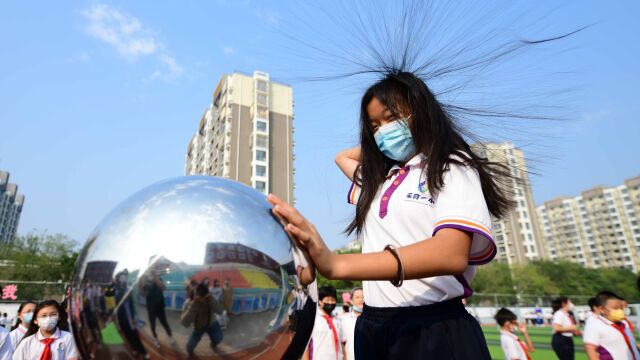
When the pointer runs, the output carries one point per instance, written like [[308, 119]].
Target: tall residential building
[[246, 134], [517, 234], [10, 208], [599, 228]]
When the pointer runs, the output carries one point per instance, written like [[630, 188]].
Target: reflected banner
[[191, 267]]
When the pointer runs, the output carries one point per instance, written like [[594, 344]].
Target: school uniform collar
[[414, 161], [40, 337], [23, 329]]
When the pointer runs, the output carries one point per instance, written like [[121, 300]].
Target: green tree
[[39, 257]]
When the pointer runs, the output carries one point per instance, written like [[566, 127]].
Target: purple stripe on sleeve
[[480, 261], [353, 184]]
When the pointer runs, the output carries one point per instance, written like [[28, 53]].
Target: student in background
[[25, 316], [630, 331], [325, 343], [605, 336], [564, 328], [44, 340], [348, 322], [200, 312], [6, 347], [512, 346]]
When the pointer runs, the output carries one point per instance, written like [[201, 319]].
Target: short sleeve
[[559, 319], [72, 349], [590, 334], [510, 349], [354, 193], [460, 204]]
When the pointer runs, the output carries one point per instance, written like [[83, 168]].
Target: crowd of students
[[607, 333], [39, 333]]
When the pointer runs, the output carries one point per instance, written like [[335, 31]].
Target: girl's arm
[[446, 253], [559, 328], [348, 161], [525, 333]]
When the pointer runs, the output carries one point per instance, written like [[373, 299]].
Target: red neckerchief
[[524, 348], [522, 345], [620, 328], [46, 353], [333, 330]]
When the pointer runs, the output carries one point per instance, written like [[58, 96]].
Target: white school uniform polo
[[403, 212], [6, 346], [16, 335], [322, 345], [511, 346], [62, 348], [561, 318], [348, 324], [609, 341]]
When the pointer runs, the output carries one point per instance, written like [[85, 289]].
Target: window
[[261, 186], [262, 99], [261, 125], [263, 112], [261, 170], [262, 85], [261, 141], [261, 155]]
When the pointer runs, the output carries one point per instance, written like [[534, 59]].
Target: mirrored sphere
[[193, 266]]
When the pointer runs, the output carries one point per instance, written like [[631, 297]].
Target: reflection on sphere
[[192, 264]]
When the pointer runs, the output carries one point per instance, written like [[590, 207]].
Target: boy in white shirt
[[326, 338], [512, 346], [604, 336]]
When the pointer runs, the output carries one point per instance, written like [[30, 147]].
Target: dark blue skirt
[[439, 331]]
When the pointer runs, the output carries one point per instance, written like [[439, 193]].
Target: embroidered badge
[[422, 186]]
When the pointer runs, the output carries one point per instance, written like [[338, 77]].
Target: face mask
[[48, 323], [356, 309], [328, 308], [616, 315], [27, 317], [395, 141]]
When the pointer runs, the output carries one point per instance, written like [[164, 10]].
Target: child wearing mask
[[348, 322], [44, 340], [512, 346], [25, 315], [605, 336], [325, 343]]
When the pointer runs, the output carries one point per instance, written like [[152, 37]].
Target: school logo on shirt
[[420, 199]]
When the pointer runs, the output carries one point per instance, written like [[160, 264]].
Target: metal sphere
[[193, 265]]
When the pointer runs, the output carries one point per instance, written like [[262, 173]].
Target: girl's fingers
[[302, 236]]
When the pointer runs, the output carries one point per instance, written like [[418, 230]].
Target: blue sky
[[99, 99]]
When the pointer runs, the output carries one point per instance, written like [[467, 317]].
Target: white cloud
[[122, 31], [172, 72], [126, 34], [228, 50]]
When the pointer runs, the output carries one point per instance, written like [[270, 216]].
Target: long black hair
[[33, 327], [435, 135], [19, 311], [558, 303]]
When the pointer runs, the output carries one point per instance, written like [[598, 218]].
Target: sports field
[[541, 337]]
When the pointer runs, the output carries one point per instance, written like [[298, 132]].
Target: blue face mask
[[26, 318], [395, 141], [356, 308]]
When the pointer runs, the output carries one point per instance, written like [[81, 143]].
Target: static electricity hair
[[422, 57]]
